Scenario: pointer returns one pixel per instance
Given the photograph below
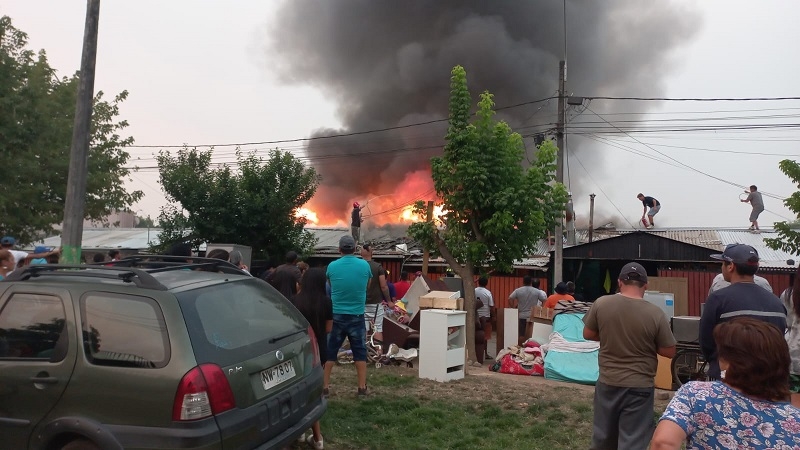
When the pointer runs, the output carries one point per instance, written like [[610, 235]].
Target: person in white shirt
[[719, 283], [8, 243], [486, 311]]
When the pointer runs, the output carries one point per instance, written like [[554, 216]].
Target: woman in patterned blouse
[[749, 408]]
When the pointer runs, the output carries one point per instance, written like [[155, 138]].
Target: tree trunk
[[469, 304]]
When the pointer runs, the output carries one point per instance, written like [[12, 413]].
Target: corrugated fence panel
[[393, 266], [700, 283]]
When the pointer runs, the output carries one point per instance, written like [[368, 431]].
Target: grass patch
[[404, 412]]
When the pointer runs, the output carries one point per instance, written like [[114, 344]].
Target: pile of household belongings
[[520, 360], [565, 357], [568, 356]]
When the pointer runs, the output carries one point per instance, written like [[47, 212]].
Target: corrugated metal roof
[[702, 237], [106, 238], [768, 256]]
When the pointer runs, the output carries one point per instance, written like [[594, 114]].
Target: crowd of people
[[749, 337], [750, 340]]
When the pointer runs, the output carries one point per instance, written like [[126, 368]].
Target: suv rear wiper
[[278, 338]]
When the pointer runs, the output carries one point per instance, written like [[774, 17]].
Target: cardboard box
[[441, 300], [541, 314]]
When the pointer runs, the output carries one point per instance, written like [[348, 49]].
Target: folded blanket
[[559, 344]]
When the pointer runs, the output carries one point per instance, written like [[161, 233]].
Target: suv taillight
[[202, 392], [314, 347]]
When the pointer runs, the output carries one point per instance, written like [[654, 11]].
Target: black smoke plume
[[387, 63]]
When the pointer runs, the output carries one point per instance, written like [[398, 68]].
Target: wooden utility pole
[[426, 253], [75, 202], [558, 263]]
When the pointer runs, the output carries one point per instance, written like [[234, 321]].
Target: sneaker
[[751, 228], [303, 438], [315, 444], [362, 392], [326, 392]]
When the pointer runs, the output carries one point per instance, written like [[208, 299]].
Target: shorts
[[348, 326], [369, 314], [654, 210], [755, 213]]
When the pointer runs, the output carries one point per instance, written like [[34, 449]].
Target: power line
[[354, 133], [682, 164], [694, 99], [786, 155]]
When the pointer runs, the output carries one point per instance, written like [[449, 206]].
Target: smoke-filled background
[[387, 64]]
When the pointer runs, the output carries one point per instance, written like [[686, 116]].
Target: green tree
[[495, 210], [788, 238], [36, 118], [145, 222], [255, 206]]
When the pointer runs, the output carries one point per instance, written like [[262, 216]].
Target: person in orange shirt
[[561, 294]]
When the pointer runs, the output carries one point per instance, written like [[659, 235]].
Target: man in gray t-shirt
[[524, 299], [757, 202]]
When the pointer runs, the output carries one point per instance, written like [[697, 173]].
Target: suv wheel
[[80, 444]]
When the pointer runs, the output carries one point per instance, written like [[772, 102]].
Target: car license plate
[[276, 375]]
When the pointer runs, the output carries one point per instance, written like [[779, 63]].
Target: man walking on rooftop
[[653, 204], [757, 202]]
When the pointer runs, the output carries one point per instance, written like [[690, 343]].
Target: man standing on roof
[[653, 204], [355, 222], [742, 298], [757, 202]]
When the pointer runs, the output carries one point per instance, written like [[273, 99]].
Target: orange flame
[[309, 215], [384, 204]]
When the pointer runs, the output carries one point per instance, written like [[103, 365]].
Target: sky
[[202, 71]]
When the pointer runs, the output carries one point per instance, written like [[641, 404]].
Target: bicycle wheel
[[688, 365]]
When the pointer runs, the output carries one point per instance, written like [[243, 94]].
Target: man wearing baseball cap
[[8, 242], [742, 298], [349, 277], [631, 332]]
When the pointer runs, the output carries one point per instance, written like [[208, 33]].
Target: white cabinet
[[442, 344], [510, 327]]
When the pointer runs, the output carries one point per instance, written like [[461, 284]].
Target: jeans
[[348, 326]]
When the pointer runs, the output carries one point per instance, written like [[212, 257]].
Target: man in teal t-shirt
[[348, 276]]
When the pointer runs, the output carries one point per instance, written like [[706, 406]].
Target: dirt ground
[[481, 383]]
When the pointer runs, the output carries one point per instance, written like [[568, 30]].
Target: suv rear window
[[232, 322], [124, 330]]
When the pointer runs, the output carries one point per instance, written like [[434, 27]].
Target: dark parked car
[[153, 353]]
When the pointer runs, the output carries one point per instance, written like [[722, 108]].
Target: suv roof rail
[[136, 276], [165, 263]]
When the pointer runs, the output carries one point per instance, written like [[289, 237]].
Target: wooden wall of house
[[700, 282]]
